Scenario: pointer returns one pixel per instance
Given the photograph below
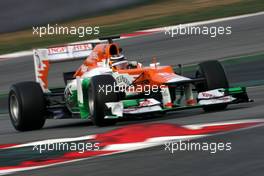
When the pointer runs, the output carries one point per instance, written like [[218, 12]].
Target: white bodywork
[[44, 57], [215, 96], [147, 105]]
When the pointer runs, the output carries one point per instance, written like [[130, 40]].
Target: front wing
[[150, 105]]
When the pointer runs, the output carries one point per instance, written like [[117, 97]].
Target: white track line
[[155, 141], [208, 21], [81, 138]]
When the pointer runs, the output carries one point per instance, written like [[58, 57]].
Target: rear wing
[[44, 57]]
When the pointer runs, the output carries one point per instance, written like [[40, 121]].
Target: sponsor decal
[[82, 47], [57, 50], [211, 94], [123, 80]]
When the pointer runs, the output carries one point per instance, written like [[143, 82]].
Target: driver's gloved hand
[[132, 64]]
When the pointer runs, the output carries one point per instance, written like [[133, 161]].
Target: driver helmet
[[118, 61]]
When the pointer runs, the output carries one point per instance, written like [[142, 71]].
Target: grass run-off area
[[156, 13]]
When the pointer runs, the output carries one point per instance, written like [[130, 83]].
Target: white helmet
[[119, 61]]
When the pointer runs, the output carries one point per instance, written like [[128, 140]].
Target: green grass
[[243, 7]]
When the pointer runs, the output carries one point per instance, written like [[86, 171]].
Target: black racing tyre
[[215, 77], [97, 99], [27, 106]]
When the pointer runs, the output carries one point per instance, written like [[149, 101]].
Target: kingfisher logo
[[207, 95]]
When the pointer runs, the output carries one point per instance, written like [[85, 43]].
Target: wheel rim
[[14, 107], [91, 100]]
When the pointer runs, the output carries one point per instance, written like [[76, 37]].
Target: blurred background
[[16, 14], [17, 17]]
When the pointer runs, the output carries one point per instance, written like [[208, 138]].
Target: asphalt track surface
[[41, 12], [246, 157]]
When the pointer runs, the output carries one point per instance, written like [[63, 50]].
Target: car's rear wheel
[[27, 106], [97, 97], [215, 77]]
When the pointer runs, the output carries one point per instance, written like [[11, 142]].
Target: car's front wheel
[[215, 77], [100, 91]]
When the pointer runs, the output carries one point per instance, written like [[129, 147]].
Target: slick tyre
[[27, 106], [97, 99], [215, 77]]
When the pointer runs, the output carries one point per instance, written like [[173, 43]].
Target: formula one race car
[[107, 87]]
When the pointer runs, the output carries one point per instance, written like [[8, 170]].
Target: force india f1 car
[[103, 92]]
